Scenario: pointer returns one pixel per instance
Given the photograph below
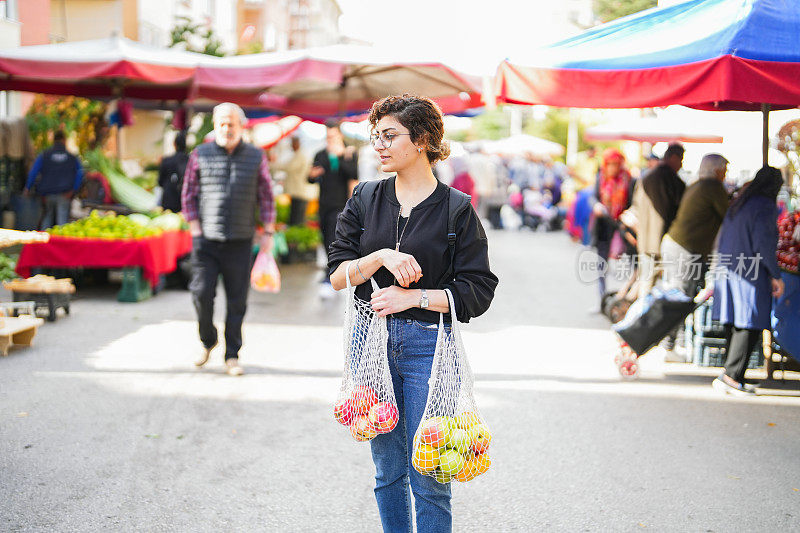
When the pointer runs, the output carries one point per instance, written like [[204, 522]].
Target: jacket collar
[[435, 197]]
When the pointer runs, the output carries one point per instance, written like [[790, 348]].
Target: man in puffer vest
[[227, 190], [56, 176]]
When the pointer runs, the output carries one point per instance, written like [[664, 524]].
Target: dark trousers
[[297, 211], [603, 251], [232, 260], [739, 344], [327, 224]]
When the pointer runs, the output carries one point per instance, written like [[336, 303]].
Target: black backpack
[[457, 202]]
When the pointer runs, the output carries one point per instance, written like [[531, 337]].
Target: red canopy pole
[[765, 138]]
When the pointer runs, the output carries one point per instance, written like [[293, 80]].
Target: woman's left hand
[[391, 300]]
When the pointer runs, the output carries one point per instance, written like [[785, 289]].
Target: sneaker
[[673, 356], [232, 367], [751, 387], [721, 385], [203, 359]]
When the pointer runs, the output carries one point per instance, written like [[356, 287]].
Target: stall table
[[153, 255]]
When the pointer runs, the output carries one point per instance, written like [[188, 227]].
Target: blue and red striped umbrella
[[707, 54]]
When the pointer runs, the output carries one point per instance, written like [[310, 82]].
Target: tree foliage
[[608, 10], [555, 127], [196, 37]]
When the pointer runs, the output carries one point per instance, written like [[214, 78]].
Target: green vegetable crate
[[134, 287]]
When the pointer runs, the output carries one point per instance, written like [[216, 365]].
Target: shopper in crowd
[[336, 170], [686, 247], [404, 246], [463, 180], [656, 198], [296, 182], [747, 275], [613, 195], [226, 183], [55, 177], [171, 172]]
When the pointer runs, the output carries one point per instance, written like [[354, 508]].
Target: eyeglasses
[[384, 139]]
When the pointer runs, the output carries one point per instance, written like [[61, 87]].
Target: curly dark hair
[[421, 116]]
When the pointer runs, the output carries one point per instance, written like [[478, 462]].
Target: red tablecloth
[[155, 255]]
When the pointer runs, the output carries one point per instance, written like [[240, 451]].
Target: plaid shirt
[[191, 189]]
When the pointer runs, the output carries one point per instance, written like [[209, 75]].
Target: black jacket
[[425, 238], [170, 179], [334, 185]]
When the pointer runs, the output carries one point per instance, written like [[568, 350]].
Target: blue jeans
[[411, 348], [56, 210]]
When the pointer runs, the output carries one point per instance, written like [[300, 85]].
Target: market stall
[[153, 256]]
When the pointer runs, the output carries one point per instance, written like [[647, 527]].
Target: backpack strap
[[457, 203], [362, 198]]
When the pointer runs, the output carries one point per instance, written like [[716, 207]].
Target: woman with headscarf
[[747, 276], [613, 194]]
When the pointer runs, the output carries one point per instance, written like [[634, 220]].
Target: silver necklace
[[397, 233]]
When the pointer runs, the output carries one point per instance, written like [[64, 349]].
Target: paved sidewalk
[[105, 425]]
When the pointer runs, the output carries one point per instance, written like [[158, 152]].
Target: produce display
[[364, 414], [108, 226], [7, 266], [124, 189], [789, 241], [303, 238], [452, 448]]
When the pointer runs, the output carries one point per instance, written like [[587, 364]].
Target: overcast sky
[[471, 35]]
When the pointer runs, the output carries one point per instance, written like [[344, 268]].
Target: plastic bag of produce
[[366, 403], [452, 440], [265, 276]]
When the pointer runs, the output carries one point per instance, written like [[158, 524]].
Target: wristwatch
[[423, 300]]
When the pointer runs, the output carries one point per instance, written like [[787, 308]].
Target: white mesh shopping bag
[[366, 402], [452, 440]]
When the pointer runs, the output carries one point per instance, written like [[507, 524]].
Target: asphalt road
[[105, 425]]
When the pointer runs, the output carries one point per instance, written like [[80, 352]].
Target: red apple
[[343, 411], [363, 398], [481, 437], [435, 432], [361, 429], [383, 416]]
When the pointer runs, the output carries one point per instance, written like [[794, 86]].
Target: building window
[[8, 9]]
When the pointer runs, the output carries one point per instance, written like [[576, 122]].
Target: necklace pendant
[[397, 247]]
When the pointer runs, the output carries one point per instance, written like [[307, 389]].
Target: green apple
[[459, 440], [451, 462], [441, 477], [466, 420]]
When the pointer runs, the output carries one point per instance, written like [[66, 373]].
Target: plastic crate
[[134, 287], [705, 340]]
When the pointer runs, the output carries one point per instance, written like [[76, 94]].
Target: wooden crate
[[17, 330], [41, 284]]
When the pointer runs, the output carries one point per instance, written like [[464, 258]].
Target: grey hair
[[709, 166], [226, 108]]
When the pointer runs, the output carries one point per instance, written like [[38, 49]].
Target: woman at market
[[401, 240], [613, 194], [747, 275]]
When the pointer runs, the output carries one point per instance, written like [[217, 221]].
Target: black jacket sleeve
[[320, 160], [474, 283], [347, 245]]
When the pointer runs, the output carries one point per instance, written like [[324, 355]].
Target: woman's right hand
[[403, 267]]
